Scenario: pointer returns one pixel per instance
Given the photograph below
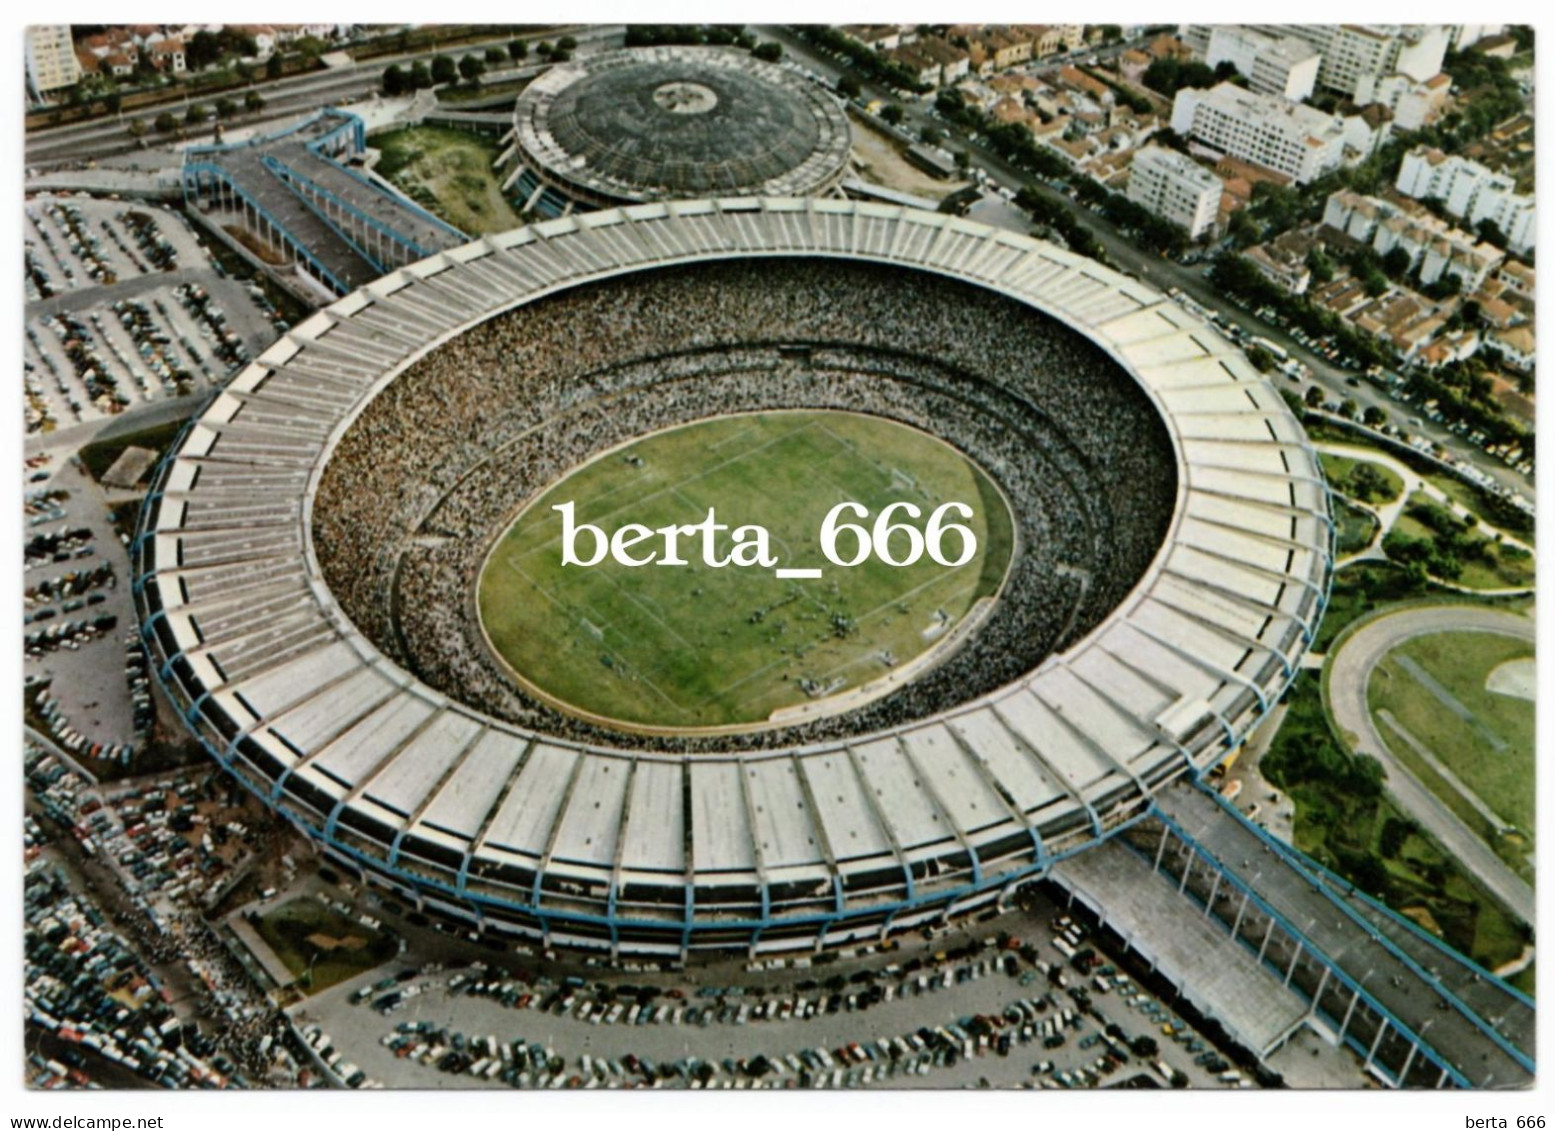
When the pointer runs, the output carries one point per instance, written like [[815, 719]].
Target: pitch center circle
[[697, 647], [685, 98]]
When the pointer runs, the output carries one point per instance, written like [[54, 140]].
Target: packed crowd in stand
[[437, 466]]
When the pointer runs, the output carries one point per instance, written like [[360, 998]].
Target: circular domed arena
[[662, 123], [309, 563]]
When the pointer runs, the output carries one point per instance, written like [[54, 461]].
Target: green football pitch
[[695, 647]]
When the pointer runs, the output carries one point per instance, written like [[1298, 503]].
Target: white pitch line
[[798, 574]]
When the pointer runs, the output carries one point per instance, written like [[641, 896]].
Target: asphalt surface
[[1353, 665]]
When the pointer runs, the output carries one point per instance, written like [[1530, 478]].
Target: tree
[[931, 136], [226, 108], [395, 81], [165, 123], [1320, 265], [848, 86], [518, 50], [444, 70], [137, 128], [471, 68], [253, 102], [275, 66], [197, 114], [495, 56], [420, 76], [892, 114], [1396, 263], [1314, 396], [112, 101], [1349, 408], [768, 52], [566, 43], [1374, 417]]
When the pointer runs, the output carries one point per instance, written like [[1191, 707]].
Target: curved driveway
[[1352, 666]]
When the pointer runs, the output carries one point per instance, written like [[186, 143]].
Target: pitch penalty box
[[894, 538]]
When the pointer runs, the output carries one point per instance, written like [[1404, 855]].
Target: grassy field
[[297, 931], [1359, 833], [1341, 471], [448, 172], [1491, 752], [694, 646], [1490, 566]]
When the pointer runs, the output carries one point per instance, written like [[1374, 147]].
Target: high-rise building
[[1173, 186], [1287, 137], [1279, 65], [1353, 54], [51, 59]]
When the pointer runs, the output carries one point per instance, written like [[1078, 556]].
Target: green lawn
[[1500, 567], [1492, 752], [693, 646], [1364, 837], [448, 172], [289, 927], [1341, 476]]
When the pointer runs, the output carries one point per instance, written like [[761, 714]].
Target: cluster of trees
[[1240, 281], [694, 35], [1453, 542], [1012, 141], [1168, 75], [1337, 792], [1061, 220], [871, 64], [1273, 209], [206, 48], [1155, 233]]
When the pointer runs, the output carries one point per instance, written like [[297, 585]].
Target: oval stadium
[[307, 565], [658, 123]]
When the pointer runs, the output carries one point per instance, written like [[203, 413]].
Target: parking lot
[[976, 1007], [125, 306]]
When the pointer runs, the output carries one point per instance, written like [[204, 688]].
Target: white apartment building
[[51, 59], [1173, 186], [1352, 53], [1434, 247], [1278, 65], [1414, 104], [1287, 137], [1469, 190]]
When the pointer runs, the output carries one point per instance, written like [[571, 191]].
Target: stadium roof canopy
[[659, 123], [279, 682]]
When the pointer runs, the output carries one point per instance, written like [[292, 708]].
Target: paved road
[[1352, 668]]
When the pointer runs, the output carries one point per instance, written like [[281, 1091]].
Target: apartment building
[[1433, 246], [1290, 138], [1278, 65], [51, 59], [1353, 53], [1469, 190], [1173, 186]]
